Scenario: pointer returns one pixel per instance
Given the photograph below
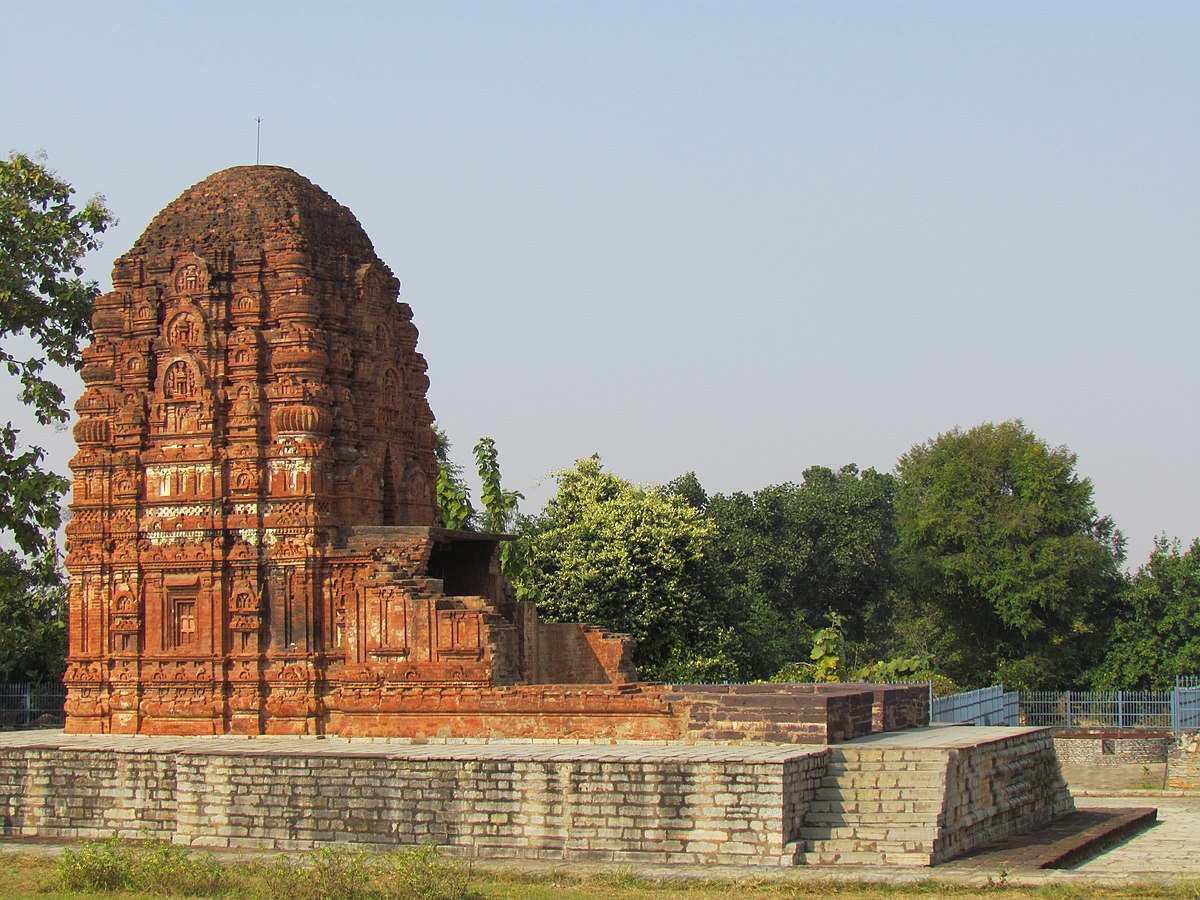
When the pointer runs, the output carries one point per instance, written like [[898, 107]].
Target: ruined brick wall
[[72, 794], [785, 713]]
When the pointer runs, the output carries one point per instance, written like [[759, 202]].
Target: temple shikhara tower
[[252, 544]]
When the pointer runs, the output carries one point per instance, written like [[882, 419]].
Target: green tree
[[1158, 636], [33, 621], [608, 552], [500, 516], [453, 496], [789, 556], [45, 309], [499, 505], [1009, 574]]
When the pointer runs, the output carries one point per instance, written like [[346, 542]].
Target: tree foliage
[[790, 556], [633, 560], [33, 617], [1009, 573], [1158, 636], [43, 239], [453, 496], [45, 304]]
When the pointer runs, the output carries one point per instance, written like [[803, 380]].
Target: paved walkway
[[265, 745], [937, 737]]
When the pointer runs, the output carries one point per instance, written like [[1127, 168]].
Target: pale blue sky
[[740, 238]]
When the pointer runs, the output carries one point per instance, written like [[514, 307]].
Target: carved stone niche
[[243, 477], [126, 481], [190, 276], [244, 404], [245, 619], [125, 622], [145, 319], [183, 630], [185, 327], [134, 368], [243, 352], [246, 309]]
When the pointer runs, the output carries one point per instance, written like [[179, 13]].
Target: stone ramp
[[923, 796], [1064, 843]]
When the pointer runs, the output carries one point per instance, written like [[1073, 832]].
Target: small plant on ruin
[[828, 650], [1149, 781]]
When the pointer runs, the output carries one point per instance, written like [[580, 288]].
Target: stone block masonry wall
[[907, 798], [82, 794], [550, 804], [918, 798], [658, 803], [1112, 749], [1183, 762]]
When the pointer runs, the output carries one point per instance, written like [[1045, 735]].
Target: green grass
[[125, 869]]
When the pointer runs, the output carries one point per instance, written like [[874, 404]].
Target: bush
[[422, 872], [155, 867], [417, 873], [159, 867], [326, 874]]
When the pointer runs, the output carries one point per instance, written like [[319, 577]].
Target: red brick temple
[[253, 544]]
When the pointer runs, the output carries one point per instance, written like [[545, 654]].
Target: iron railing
[[1178, 710], [984, 706], [26, 705], [1097, 709], [1185, 703]]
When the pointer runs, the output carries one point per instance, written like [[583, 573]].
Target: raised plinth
[[912, 798]]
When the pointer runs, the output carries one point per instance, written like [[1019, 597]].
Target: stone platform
[[909, 798]]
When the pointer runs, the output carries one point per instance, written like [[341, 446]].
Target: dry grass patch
[[126, 869]]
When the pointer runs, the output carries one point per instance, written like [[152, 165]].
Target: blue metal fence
[[32, 705], [1185, 703], [1178, 710], [984, 706], [1097, 709]]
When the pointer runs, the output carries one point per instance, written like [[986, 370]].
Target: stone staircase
[[922, 797], [876, 807]]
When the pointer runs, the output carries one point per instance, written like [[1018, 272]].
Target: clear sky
[[739, 238]]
